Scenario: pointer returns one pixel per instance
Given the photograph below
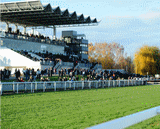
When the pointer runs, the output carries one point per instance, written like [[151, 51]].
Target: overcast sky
[[132, 23]]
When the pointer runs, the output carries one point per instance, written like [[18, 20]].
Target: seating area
[[26, 54], [35, 38]]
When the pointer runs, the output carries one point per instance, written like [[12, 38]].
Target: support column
[[24, 31], [54, 32], [33, 31], [7, 27], [16, 28]]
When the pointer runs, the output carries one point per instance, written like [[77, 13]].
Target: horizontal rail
[[23, 86]]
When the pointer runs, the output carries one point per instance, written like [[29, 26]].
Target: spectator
[[42, 79], [34, 75], [38, 74], [24, 72], [77, 78], [47, 79], [18, 74], [27, 74], [49, 72], [65, 72], [73, 78], [62, 72], [21, 80], [69, 79], [30, 79]]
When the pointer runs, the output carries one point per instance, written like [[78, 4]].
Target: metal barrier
[[64, 85]]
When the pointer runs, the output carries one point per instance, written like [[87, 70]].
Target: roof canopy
[[33, 13]]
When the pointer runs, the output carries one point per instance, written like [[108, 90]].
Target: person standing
[[18, 73], [0, 74], [24, 72], [38, 73], [49, 72], [65, 71], [59, 72], [27, 74], [34, 75]]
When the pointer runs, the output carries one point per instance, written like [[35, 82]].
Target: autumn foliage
[[147, 59], [110, 55]]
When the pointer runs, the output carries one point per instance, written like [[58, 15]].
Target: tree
[[110, 55], [147, 59]]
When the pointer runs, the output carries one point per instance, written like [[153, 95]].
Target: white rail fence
[[129, 120], [64, 85]]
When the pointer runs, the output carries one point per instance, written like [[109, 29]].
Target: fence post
[[102, 84], [82, 84], [124, 82], [13, 87], [128, 82], [31, 87], [54, 86], [109, 83], [74, 85], [119, 83], [70, 85], [1, 88], [65, 86], [135, 82], [113, 83], [44, 87], [36, 86], [96, 84], [89, 85], [17, 88]]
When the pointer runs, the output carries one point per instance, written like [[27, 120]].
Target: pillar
[[7, 27], [24, 31], [16, 28], [33, 31], [54, 32]]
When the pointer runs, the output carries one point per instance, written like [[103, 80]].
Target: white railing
[[54, 85], [129, 120]]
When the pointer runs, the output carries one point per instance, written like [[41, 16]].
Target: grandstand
[[72, 47]]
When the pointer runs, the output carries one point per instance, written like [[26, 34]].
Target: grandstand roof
[[34, 13]]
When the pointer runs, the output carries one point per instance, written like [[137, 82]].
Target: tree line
[[111, 55]]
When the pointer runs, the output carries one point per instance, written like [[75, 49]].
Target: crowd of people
[[5, 74], [31, 75], [37, 38]]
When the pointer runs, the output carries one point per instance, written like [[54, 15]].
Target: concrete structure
[[12, 60]]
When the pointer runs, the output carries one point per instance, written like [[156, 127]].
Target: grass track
[[75, 109]]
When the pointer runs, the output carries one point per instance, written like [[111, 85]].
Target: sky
[[131, 23]]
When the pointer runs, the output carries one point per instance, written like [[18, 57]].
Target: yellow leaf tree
[[107, 54], [147, 59]]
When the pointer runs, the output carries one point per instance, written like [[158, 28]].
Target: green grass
[[152, 123], [75, 109]]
